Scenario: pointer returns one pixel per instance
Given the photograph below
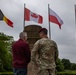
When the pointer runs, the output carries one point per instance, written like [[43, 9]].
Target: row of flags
[[31, 16], [53, 17]]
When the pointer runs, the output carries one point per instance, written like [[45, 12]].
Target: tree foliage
[[5, 54], [66, 63], [59, 65], [73, 66]]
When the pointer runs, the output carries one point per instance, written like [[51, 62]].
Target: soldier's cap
[[42, 29]]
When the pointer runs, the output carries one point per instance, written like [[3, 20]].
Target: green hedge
[[67, 73], [63, 73], [59, 73], [6, 73]]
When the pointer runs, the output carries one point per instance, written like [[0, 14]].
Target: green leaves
[[5, 51], [4, 37]]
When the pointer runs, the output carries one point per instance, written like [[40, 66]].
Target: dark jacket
[[21, 54]]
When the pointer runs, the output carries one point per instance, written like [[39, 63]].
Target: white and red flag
[[30, 16], [53, 17]]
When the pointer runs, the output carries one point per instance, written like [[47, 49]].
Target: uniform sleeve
[[35, 51]]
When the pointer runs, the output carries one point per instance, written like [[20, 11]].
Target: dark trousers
[[18, 71]]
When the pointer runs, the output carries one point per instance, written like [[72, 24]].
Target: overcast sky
[[65, 38]]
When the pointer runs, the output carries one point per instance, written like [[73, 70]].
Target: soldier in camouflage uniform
[[47, 52]]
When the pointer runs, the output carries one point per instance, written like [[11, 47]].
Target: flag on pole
[[30, 16], [53, 17], [4, 18]]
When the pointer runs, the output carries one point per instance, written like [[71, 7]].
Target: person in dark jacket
[[21, 55]]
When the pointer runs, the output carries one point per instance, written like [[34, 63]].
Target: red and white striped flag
[[53, 17], [30, 16]]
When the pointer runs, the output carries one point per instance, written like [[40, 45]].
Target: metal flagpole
[[49, 22], [75, 20], [24, 19]]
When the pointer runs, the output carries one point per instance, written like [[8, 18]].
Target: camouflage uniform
[[47, 52]]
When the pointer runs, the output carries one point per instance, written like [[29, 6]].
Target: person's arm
[[35, 51], [55, 48], [27, 53], [56, 53]]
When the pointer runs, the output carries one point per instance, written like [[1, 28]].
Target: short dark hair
[[44, 30]]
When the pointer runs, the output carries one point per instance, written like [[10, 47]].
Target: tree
[[5, 54], [73, 66], [59, 65], [66, 63]]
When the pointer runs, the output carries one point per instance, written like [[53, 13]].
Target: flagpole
[[75, 21], [49, 23], [24, 19]]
